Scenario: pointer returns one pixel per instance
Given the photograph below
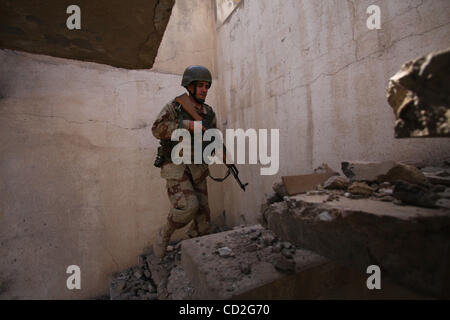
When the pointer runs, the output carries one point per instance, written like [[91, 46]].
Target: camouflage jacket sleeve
[[166, 122]]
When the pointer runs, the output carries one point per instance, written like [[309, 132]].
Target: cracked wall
[[315, 71], [77, 181]]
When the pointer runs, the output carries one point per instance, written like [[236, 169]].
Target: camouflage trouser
[[188, 195]]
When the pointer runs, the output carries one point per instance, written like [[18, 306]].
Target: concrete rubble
[[316, 245], [390, 214], [245, 263], [419, 95], [153, 279], [398, 182], [388, 171], [256, 265]]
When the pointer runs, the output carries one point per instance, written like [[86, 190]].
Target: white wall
[[77, 181], [189, 38], [315, 71]]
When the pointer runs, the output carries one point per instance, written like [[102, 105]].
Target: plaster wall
[[315, 71], [77, 181], [224, 8], [189, 38]]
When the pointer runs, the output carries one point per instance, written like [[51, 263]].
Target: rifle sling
[[188, 106]]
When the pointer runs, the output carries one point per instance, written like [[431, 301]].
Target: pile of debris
[[332, 217], [400, 183], [393, 215], [151, 278], [154, 278], [165, 279], [253, 263], [419, 95]]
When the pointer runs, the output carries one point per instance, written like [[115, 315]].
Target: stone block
[[410, 244], [386, 171], [419, 95], [106, 29], [259, 274]]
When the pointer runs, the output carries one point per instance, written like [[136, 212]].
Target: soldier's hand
[[189, 125]]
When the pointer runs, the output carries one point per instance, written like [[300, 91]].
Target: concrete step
[[250, 263], [410, 244], [246, 263]]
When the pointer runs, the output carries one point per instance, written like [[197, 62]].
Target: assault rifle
[[188, 105]]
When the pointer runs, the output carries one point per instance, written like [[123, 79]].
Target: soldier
[[186, 183]]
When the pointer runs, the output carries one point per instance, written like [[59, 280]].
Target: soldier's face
[[202, 90]]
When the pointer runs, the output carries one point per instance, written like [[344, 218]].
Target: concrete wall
[[315, 71], [189, 38], [77, 182], [224, 8]]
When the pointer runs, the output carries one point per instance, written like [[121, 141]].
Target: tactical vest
[[166, 146]]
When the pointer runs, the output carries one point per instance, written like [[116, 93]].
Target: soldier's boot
[[162, 240]]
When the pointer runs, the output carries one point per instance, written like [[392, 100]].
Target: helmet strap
[[194, 95]]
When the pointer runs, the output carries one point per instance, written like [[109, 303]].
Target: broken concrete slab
[[415, 194], [389, 171], [256, 274], [419, 95], [126, 34], [406, 173], [410, 244]]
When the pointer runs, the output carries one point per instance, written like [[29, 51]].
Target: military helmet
[[196, 73]]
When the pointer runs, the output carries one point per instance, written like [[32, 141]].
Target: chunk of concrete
[[360, 188], [389, 171], [106, 30], [410, 244], [280, 189], [414, 194], [419, 95]]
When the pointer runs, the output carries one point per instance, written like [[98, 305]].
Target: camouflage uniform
[[185, 183]]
